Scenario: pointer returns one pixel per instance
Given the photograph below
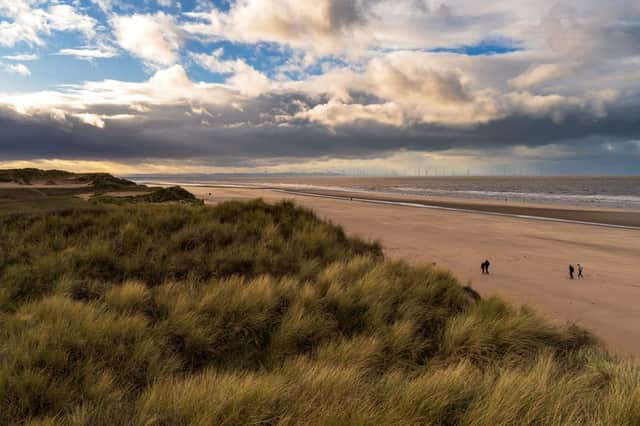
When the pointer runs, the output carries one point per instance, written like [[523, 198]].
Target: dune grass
[[249, 313], [99, 181]]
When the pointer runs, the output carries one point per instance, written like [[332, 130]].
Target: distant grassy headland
[[99, 181], [43, 190], [131, 311]]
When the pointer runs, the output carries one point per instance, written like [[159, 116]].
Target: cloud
[[539, 74], [420, 88], [153, 38], [91, 119], [88, 53], [335, 81], [28, 24], [169, 135], [321, 25], [105, 5], [427, 92], [591, 105], [19, 69], [98, 120], [592, 29], [167, 87], [244, 77], [398, 89], [63, 17], [351, 28], [409, 101], [335, 114], [216, 64], [22, 57]]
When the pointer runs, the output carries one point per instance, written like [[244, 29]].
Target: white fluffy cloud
[[27, 21], [399, 89], [539, 74], [88, 53], [64, 17], [22, 57], [335, 114], [243, 76], [352, 27], [153, 38], [19, 69], [321, 26], [167, 87], [409, 88]]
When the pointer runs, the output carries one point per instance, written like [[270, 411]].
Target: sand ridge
[[43, 185]]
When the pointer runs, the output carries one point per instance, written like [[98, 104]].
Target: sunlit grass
[[248, 313]]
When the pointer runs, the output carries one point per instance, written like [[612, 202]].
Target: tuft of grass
[[250, 313], [129, 297], [174, 193], [59, 355], [492, 330]]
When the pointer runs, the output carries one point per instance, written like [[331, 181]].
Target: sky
[[347, 86]]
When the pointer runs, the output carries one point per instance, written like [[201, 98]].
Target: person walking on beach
[[571, 270], [580, 269], [484, 267]]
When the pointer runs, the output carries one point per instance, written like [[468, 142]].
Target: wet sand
[[603, 216], [529, 258]]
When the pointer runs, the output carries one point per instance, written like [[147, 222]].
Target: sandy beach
[[529, 257]]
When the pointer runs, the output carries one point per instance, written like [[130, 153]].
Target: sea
[[593, 191]]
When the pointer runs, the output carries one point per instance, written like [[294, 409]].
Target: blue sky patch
[[483, 48]]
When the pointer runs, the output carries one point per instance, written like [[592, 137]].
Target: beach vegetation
[[256, 313]]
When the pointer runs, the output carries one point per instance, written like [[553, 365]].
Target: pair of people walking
[[484, 266], [572, 271]]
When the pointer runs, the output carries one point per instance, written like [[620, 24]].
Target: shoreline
[[629, 221], [582, 215]]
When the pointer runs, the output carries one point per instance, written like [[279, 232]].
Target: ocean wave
[[627, 201]]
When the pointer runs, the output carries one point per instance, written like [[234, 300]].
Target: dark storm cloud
[[240, 137]]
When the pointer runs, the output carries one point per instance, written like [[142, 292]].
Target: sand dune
[[529, 258], [42, 185]]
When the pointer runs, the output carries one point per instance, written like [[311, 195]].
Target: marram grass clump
[[249, 313]]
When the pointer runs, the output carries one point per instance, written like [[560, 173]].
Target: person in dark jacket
[[571, 271]]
